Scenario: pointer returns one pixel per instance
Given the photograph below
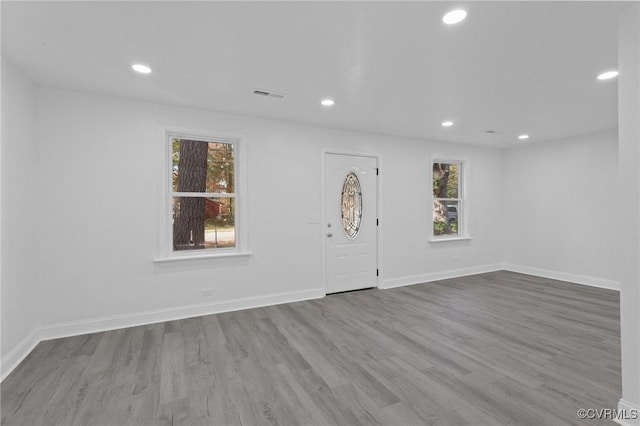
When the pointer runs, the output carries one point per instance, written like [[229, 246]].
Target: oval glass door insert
[[351, 206]]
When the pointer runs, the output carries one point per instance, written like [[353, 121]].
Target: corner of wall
[[628, 414], [18, 353], [18, 277], [15, 356], [563, 276]]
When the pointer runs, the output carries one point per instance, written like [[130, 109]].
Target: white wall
[[629, 252], [408, 256], [20, 201], [97, 172], [98, 177], [562, 209]]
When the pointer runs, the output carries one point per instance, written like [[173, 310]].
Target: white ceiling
[[392, 67]]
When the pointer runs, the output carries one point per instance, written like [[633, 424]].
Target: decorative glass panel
[[351, 205]]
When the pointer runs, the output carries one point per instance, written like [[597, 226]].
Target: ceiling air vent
[[269, 94]]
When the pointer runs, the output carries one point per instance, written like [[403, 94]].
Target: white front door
[[350, 227]]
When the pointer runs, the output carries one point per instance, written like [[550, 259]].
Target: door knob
[[329, 235]]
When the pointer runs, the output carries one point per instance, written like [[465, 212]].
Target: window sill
[[201, 256], [445, 239]]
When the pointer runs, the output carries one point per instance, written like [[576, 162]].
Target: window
[[202, 196], [448, 199]]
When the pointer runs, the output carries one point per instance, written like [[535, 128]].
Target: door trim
[[323, 218]]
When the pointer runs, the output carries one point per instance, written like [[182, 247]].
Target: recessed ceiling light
[[327, 102], [523, 137], [454, 16], [142, 69], [607, 75], [447, 123]]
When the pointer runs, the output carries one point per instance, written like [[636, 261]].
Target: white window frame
[[165, 246], [463, 216]]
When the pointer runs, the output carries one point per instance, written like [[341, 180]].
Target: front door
[[350, 228]]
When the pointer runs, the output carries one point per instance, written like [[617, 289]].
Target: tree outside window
[[203, 194], [447, 198]]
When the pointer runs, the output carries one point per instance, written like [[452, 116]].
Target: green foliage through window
[[447, 200], [203, 186]]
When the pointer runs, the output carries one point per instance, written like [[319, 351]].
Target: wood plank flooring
[[491, 349]]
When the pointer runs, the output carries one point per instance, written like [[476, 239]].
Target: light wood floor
[[491, 349]]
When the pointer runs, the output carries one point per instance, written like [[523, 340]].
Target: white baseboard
[[94, 325], [563, 276], [12, 359], [15, 356], [629, 413], [435, 276]]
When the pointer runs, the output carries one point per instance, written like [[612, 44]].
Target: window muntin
[[448, 202], [202, 194]]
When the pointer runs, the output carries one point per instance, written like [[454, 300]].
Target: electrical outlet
[[206, 292]]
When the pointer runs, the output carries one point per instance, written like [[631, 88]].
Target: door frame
[[323, 205]]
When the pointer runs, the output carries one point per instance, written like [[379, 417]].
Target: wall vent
[[269, 94]]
